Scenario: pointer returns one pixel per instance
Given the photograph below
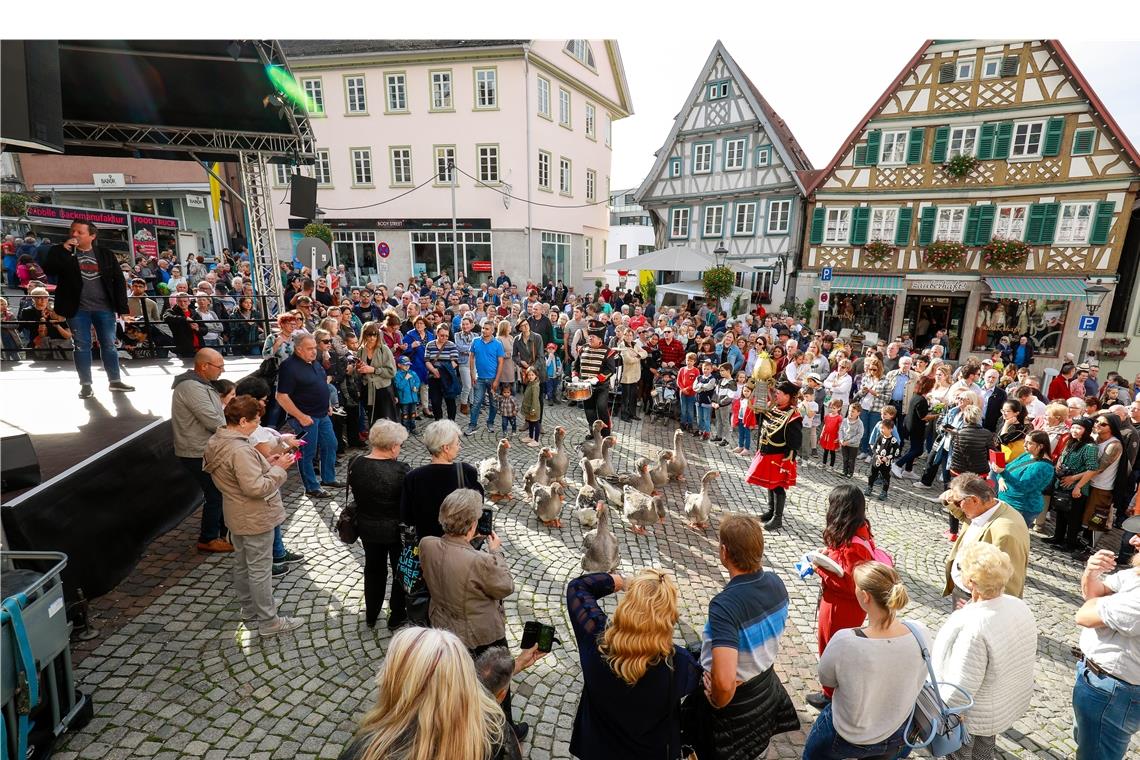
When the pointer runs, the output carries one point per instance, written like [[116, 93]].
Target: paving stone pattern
[[177, 677]]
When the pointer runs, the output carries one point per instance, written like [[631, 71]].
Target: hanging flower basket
[[718, 282], [878, 251], [961, 165], [1001, 253], [944, 254]]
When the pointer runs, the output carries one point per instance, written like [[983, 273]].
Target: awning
[[865, 283], [1057, 288]]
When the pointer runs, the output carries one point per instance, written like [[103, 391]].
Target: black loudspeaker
[[303, 197], [32, 117], [19, 465]]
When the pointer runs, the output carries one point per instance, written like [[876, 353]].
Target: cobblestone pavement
[[181, 680]]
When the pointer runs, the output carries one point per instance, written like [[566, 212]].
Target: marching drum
[[577, 390]]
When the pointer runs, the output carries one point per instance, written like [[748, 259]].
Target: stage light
[[234, 49], [288, 86]]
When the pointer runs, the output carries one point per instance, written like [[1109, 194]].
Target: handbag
[[346, 527], [932, 724]]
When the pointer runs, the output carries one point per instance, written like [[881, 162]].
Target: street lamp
[[1094, 297], [720, 253]]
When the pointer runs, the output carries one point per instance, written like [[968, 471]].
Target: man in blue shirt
[[303, 392], [485, 364], [899, 381]]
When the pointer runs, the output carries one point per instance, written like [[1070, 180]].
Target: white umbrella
[[675, 258]]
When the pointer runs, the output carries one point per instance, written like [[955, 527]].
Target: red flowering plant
[[944, 254], [878, 251], [1003, 253]]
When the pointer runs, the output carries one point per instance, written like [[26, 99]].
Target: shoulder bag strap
[[929, 666], [348, 478], [459, 479]]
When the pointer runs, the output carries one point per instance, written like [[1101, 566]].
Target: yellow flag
[[215, 191]]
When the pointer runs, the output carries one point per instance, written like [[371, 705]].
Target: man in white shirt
[[1034, 407], [991, 521], [1108, 677]]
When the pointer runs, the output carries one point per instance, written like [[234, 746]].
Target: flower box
[[878, 251], [1005, 254], [944, 254]]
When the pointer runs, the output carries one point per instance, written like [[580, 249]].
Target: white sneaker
[[912, 475], [897, 471], [920, 484], [864, 458], [281, 625]]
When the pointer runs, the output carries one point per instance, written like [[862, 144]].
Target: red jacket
[[672, 352], [685, 379], [749, 415], [1059, 389], [848, 556]]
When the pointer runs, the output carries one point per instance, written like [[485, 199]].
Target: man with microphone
[[90, 292]]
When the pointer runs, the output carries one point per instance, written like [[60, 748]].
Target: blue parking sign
[[825, 274], [1088, 323]]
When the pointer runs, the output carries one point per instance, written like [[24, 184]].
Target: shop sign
[[954, 286], [196, 201], [165, 222], [108, 180], [95, 216], [480, 266]]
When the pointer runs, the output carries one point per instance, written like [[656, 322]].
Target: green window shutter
[[926, 225], [902, 232], [946, 73], [1102, 223], [874, 139], [1003, 136], [985, 231], [914, 145], [1053, 132], [1009, 65], [986, 141], [860, 222], [818, 215], [860, 155], [1083, 140], [971, 225], [1042, 223], [1033, 225], [941, 141]]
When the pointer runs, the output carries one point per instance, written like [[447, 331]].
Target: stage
[[41, 399]]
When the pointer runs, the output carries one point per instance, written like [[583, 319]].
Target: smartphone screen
[[486, 523], [531, 630], [545, 638]]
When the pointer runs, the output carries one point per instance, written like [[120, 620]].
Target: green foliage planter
[[719, 282], [1004, 254], [961, 165], [878, 251], [318, 231], [13, 204], [648, 291], [944, 254]]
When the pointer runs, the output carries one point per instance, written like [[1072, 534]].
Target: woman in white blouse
[[838, 383], [988, 648]]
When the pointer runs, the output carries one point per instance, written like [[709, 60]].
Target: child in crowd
[[743, 419], [705, 388], [726, 393], [685, 378], [809, 411], [407, 392], [885, 449], [531, 407], [829, 437], [508, 408], [553, 372], [850, 434], [891, 413], [226, 389]]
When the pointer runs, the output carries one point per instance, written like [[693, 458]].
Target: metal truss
[[265, 266], [144, 138]]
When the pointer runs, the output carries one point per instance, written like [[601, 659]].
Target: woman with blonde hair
[[876, 671], [633, 675], [430, 705], [503, 335]]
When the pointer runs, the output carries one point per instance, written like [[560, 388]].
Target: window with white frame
[[1009, 222], [444, 160], [609, 130], [1027, 139], [280, 175], [991, 66], [714, 221], [623, 250], [486, 88], [764, 156], [555, 256], [314, 96], [588, 253], [674, 167], [563, 107], [780, 217], [441, 91], [564, 175], [719, 90], [397, 85], [964, 69], [591, 121], [734, 153], [488, 163], [580, 49], [361, 166], [679, 223], [837, 228], [702, 158], [544, 97], [892, 151], [950, 224], [745, 222], [543, 170], [322, 172], [963, 141], [883, 223], [591, 185], [1074, 223], [401, 160], [354, 94]]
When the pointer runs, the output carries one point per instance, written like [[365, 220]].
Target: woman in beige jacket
[[252, 507], [377, 367], [631, 355]]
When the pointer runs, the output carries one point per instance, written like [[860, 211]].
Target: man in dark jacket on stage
[[90, 292]]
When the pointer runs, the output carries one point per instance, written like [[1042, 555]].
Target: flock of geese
[[638, 494]]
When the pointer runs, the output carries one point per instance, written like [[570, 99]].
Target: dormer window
[[964, 70], [719, 90], [580, 49]]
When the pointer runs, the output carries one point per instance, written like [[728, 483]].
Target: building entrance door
[[924, 316]]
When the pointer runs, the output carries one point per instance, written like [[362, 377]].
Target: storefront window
[[141, 205], [434, 253], [928, 317], [555, 256], [165, 207], [115, 204], [860, 312], [1043, 320], [357, 251]]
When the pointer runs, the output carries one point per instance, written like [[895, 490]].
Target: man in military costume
[[774, 468], [595, 365]]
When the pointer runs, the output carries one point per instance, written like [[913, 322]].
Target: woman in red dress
[[780, 436]]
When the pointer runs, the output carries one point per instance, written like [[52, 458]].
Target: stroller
[[664, 403]]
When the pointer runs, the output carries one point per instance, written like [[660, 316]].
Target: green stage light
[[288, 86]]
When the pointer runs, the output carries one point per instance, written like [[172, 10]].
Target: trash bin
[[37, 686]]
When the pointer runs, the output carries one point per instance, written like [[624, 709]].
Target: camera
[[540, 634]]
